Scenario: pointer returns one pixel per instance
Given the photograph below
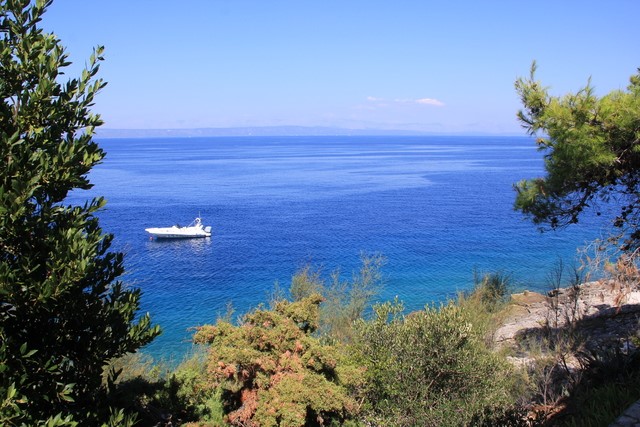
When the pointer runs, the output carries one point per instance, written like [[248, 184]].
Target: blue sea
[[437, 208]]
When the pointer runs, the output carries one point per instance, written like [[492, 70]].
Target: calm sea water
[[437, 208]]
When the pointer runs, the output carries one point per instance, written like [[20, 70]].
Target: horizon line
[[282, 131]]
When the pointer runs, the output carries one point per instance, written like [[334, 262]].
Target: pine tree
[[592, 157]]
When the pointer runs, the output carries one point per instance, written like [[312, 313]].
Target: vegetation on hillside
[[63, 313], [436, 366], [273, 371], [430, 368], [69, 329], [592, 161], [280, 366]]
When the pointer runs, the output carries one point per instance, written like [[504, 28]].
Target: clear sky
[[437, 66]]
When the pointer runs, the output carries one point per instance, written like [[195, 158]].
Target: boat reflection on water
[[177, 247]]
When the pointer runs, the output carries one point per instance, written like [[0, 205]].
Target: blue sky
[[435, 66]]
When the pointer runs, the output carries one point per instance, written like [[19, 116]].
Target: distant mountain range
[[278, 131], [247, 131]]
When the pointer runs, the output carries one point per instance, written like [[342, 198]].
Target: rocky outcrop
[[600, 311]]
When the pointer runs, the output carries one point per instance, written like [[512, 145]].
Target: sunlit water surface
[[437, 208]]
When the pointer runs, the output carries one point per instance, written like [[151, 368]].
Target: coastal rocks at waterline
[[603, 311]]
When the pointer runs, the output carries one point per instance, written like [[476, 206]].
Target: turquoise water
[[437, 208]]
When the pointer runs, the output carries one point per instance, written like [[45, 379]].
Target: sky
[[429, 66]]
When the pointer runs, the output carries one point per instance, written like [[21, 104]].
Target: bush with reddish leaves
[[273, 372]]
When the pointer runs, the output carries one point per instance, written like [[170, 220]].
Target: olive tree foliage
[[63, 313], [592, 156], [430, 368]]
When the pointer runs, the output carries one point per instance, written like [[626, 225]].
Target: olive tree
[[592, 156], [63, 312], [430, 368]]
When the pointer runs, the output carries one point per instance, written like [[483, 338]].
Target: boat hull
[[162, 235], [177, 232]]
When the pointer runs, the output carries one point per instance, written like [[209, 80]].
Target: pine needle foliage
[[592, 157]]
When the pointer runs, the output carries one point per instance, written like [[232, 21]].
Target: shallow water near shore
[[437, 208]]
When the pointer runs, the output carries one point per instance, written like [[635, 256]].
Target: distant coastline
[[272, 131]]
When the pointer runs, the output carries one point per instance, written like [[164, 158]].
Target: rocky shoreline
[[602, 311]]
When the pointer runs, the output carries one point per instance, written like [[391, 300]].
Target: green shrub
[[492, 290], [160, 395], [609, 384], [306, 282], [344, 301], [430, 368]]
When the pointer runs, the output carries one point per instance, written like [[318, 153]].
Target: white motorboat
[[195, 229]]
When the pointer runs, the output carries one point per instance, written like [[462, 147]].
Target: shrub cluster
[[430, 368], [273, 372]]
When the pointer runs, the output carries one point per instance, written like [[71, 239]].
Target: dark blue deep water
[[437, 208]]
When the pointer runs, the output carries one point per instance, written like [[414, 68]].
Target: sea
[[439, 209]]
